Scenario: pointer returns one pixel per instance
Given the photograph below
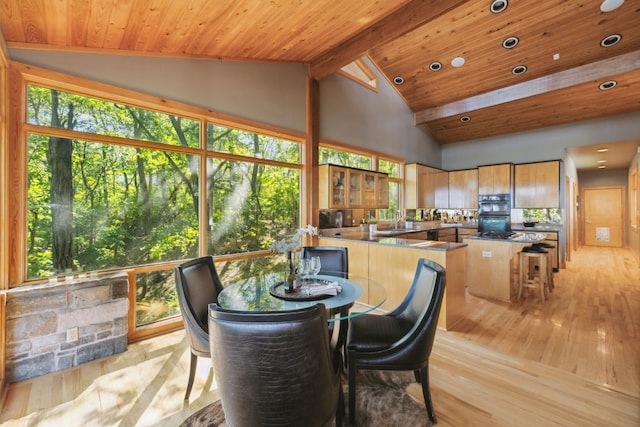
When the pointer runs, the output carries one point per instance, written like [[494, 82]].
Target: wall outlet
[[72, 334], [487, 254]]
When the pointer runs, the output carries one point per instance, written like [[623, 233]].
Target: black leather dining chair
[[197, 285], [334, 260], [402, 339], [276, 368]]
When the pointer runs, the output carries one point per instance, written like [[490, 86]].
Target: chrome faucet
[[398, 219]]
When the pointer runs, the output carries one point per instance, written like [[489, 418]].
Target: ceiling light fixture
[[601, 167], [498, 6], [603, 150], [398, 80], [602, 161], [610, 40], [609, 84], [510, 42], [435, 66], [465, 119], [609, 5], [457, 61], [519, 69]]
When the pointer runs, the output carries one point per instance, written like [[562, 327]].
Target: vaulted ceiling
[[565, 49]]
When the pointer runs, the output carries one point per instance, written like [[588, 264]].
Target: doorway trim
[[623, 228]]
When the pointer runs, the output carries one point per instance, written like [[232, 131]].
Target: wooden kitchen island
[[492, 267], [392, 263]]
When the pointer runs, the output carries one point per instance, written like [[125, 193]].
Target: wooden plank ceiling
[[402, 37]]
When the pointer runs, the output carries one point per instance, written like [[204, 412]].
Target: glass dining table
[[265, 293]]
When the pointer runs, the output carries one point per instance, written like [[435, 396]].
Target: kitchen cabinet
[[342, 187], [426, 187], [382, 191], [537, 185], [463, 189], [394, 267], [495, 179], [466, 232]]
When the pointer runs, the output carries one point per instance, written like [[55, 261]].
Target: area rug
[[381, 400]]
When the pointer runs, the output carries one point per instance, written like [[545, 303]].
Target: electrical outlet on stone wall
[[72, 334]]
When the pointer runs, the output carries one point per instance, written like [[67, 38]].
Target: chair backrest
[[421, 306], [274, 368], [334, 260], [197, 285]]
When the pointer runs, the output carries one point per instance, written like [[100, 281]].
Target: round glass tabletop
[[266, 293]]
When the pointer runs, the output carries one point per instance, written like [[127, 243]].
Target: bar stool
[[546, 246], [530, 278]]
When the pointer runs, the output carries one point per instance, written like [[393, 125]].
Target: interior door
[[603, 216]]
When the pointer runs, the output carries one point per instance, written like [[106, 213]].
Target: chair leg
[[192, 374], [352, 387], [416, 374], [340, 409], [424, 377]]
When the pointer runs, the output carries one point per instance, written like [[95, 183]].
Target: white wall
[[269, 93], [540, 144], [381, 121]]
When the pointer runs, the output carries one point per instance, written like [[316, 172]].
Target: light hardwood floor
[[572, 361]]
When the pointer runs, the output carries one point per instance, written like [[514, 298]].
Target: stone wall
[[42, 323]]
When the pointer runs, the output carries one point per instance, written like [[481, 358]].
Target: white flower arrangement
[[289, 245]]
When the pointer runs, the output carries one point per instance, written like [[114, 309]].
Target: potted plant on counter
[[408, 222], [373, 225]]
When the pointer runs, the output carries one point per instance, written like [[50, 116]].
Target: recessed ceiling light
[[519, 69], [609, 5], [435, 66], [457, 61], [465, 119], [398, 80], [610, 40], [609, 84], [498, 6], [602, 161], [603, 150], [510, 42], [601, 167]]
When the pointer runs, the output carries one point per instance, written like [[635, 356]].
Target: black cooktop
[[496, 234]]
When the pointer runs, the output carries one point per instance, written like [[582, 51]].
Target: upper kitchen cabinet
[[463, 189], [415, 196], [537, 185], [425, 187], [382, 191], [495, 179], [342, 187]]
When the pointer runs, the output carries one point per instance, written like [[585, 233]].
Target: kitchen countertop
[[519, 237], [364, 236]]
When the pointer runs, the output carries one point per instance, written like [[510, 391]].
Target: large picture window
[[113, 186], [94, 206]]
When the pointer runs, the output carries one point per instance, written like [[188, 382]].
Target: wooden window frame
[[13, 157]]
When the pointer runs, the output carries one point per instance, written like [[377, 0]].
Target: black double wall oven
[[494, 216]]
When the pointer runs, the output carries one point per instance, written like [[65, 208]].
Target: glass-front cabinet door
[[356, 179], [339, 187], [369, 193], [382, 191]]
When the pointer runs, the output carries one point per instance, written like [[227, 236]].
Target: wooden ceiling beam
[[562, 80], [410, 16]]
